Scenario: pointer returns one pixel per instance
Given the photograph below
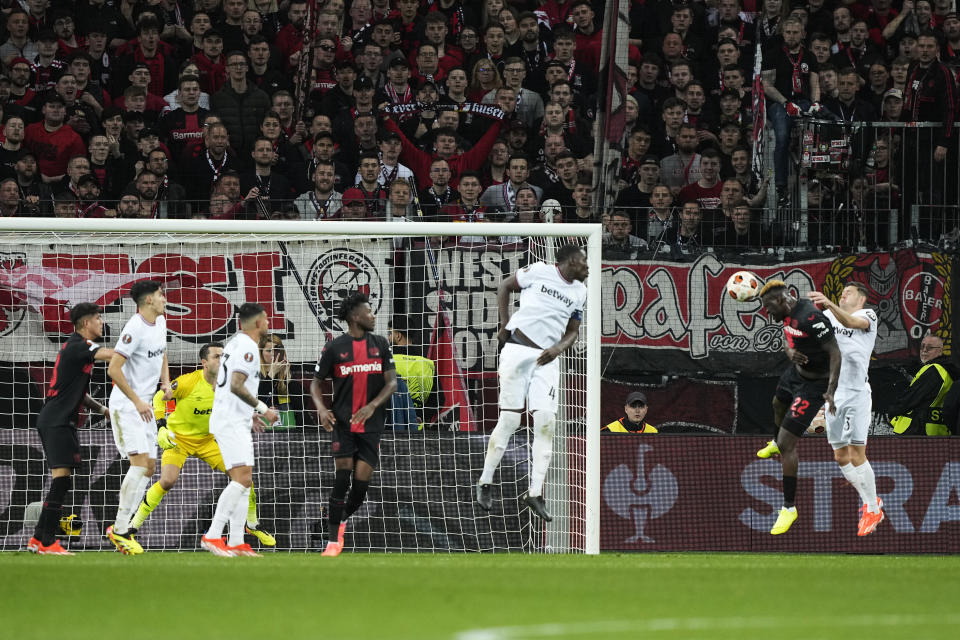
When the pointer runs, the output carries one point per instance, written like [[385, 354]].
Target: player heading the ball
[[58, 418], [235, 406], [364, 378], [548, 320], [139, 362], [808, 382]]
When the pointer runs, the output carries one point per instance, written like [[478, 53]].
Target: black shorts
[[61, 446], [350, 444], [803, 397]]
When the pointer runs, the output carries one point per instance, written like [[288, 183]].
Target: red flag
[[454, 401]]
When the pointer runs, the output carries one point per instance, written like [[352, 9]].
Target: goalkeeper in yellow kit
[[185, 433]]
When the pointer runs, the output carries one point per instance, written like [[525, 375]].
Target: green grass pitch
[[479, 597]]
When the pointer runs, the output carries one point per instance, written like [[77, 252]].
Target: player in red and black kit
[[57, 421], [810, 381], [364, 378]]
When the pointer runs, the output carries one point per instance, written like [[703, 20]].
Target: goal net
[[435, 283]]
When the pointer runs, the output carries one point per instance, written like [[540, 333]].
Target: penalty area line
[[559, 629]]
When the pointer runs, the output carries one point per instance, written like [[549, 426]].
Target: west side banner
[[677, 317]]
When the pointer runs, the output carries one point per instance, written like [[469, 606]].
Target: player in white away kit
[[856, 332], [139, 361], [546, 325], [235, 404]]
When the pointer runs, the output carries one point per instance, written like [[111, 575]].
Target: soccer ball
[[743, 286]]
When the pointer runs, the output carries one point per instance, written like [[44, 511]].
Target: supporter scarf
[[795, 78], [410, 108]]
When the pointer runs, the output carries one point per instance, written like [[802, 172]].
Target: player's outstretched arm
[[848, 320], [834, 350], [104, 354], [327, 420], [506, 287], [115, 371], [569, 337]]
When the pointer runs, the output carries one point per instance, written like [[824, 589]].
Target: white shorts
[[524, 383], [236, 446], [131, 433], [852, 422]]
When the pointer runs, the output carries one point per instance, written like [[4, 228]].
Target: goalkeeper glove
[[165, 438]]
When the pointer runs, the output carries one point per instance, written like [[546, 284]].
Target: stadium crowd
[[485, 111]]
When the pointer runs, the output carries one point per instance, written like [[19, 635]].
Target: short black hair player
[[808, 382], [57, 421], [364, 378]]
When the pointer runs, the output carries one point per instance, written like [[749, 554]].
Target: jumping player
[[57, 422], [546, 324], [185, 433], [810, 381], [234, 405], [856, 332], [139, 361], [364, 378]]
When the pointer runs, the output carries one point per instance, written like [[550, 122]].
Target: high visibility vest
[[617, 427], [934, 413]]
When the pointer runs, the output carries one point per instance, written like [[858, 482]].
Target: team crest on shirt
[[344, 355], [126, 339], [248, 357], [804, 67]]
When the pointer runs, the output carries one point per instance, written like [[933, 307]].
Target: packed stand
[[479, 111]]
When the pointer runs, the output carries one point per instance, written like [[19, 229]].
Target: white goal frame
[[144, 229]]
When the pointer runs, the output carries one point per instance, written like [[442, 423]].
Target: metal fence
[[870, 185]]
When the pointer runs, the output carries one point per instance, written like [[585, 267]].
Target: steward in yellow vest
[[920, 411], [635, 411]]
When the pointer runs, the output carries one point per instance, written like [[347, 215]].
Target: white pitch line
[[559, 630]]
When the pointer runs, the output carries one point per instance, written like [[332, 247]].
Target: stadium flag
[[611, 98], [454, 402], [759, 116]]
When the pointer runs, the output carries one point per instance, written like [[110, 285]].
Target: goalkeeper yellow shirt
[[193, 396]]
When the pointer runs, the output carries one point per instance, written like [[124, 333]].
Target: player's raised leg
[[507, 424], [770, 449]]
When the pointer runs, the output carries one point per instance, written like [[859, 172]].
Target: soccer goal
[[435, 283]]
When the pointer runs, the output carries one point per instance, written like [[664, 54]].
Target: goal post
[[435, 281]]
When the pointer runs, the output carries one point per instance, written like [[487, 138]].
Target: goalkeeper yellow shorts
[[203, 447]]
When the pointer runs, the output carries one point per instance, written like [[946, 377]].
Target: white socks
[[868, 485], [864, 481], [543, 427], [131, 492], [238, 518], [226, 505], [507, 424]]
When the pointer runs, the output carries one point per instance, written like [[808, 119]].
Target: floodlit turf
[[479, 597]]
